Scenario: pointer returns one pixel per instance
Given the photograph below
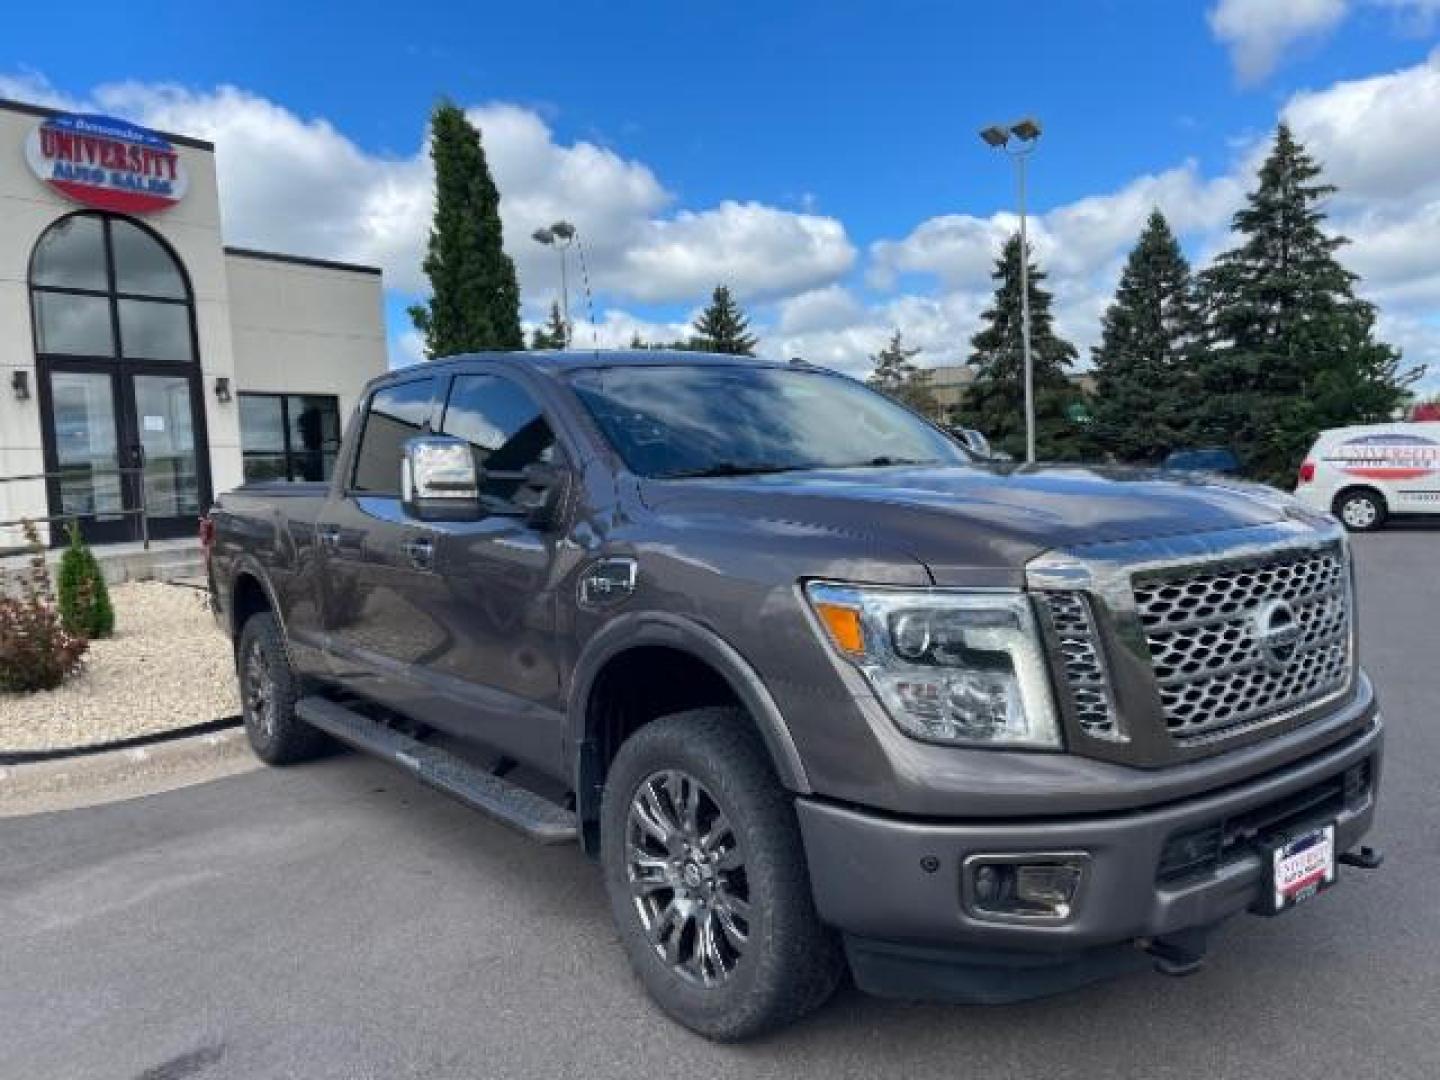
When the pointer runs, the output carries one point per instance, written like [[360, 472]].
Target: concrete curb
[[112, 775]]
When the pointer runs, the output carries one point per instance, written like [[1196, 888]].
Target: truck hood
[[995, 517]]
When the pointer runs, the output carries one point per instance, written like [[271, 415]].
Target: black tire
[[268, 692], [790, 963], [1361, 510]]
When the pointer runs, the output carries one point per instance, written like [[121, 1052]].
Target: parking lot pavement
[[338, 921]]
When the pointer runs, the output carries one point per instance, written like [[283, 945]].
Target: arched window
[[107, 288]]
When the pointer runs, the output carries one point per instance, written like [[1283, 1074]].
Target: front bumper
[[893, 885]]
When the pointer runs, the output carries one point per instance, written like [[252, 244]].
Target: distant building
[[948, 383]]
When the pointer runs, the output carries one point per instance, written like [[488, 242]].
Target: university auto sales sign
[[106, 163]]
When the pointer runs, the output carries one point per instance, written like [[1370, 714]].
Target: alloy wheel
[[259, 691], [687, 878]]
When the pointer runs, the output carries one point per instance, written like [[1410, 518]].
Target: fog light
[[1026, 887]]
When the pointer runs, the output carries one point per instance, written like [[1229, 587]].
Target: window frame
[[288, 452], [113, 295]]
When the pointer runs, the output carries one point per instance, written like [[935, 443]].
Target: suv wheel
[[1360, 511], [268, 691], [707, 879]]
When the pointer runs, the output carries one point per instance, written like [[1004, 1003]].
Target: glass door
[[83, 427], [163, 419]]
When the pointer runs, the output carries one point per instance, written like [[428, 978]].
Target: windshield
[[702, 420]]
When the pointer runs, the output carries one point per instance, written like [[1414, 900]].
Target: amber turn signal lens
[[843, 626]]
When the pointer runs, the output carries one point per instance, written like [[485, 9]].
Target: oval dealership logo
[[106, 163], [1277, 632]]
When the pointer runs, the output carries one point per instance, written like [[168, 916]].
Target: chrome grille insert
[[1082, 664], [1231, 647]]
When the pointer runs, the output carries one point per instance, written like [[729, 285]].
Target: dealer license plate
[[1302, 867]]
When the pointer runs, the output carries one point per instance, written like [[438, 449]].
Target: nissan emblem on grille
[[1277, 632]]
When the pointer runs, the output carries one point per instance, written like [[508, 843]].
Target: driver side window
[[505, 429]]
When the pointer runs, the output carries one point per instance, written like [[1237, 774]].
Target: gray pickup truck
[[816, 688]]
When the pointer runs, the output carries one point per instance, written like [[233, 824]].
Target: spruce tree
[[723, 328], [896, 376], [475, 300], [555, 334], [995, 402], [1145, 392], [82, 596], [1292, 350]]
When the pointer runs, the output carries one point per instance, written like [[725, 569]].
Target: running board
[[523, 810]]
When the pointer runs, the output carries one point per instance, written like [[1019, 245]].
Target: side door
[[499, 677], [378, 573]]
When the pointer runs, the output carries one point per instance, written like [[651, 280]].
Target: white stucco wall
[[304, 328]]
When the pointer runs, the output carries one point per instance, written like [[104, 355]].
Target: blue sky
[[821, 158]]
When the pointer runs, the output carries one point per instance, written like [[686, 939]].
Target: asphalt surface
[[338, 921]]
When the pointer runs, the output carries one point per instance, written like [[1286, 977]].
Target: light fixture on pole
[[560, 236], [1018, 141]]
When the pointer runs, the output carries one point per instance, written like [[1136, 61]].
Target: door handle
[[329, 537], [421, 551]]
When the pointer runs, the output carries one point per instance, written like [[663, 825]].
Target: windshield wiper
[[885, 460], [729, 468]]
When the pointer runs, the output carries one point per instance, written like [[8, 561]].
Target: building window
[[289, 436], [106, 288]]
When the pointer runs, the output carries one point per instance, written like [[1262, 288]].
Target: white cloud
[[301, 186], [1259, 32]]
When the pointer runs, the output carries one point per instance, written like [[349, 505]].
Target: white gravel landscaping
[[168, 666]]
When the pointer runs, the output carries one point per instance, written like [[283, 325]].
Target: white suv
[[1365, 474]]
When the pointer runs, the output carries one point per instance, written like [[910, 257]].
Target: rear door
[[378, 565]]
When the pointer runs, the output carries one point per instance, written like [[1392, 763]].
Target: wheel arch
[[635, 635]]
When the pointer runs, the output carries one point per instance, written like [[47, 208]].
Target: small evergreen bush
[[84, 600], [36, 651]]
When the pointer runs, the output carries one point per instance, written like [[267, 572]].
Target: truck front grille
[[1232, 647]]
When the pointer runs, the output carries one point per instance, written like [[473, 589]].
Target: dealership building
[[143, 363]]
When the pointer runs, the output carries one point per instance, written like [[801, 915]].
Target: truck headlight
[[949, 666]]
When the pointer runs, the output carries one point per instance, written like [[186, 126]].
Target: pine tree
[[995, 402], [475, 301], [1145, 364], [82, 596], [1291, 349], [896, 376], [723, 328], [555, 334]]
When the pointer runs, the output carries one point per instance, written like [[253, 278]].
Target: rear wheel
[[1360, 510], [268, 692], [707, 880]]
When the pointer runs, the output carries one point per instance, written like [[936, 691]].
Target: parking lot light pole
[[1018, 141], [560, 236]]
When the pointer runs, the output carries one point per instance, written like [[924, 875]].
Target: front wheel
[[707, 881], [1360, 511]]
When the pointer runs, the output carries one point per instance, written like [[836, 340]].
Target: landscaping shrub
[[36, 651], [84, 600]]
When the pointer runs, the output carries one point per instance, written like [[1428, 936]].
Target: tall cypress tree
[[1292, 350], [995, 402], [475, 300], [1145, 363], [723, 328], [896, 375]]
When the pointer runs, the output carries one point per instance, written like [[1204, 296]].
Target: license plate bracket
[[1298, 866]]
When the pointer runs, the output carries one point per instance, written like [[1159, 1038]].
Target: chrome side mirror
[[439, 480]]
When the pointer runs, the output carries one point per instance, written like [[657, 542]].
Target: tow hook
[[1178, 954], [1363, 857]]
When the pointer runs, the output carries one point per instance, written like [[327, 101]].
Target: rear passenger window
[[505, 430], [396, 413]]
